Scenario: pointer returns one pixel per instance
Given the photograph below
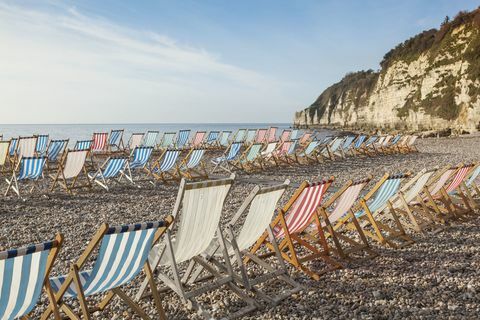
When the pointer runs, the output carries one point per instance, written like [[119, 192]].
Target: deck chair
[[114, 168], [306, 138], [69, 171], [250, 159], [371, 214], [280, 155], [197, 212], [402, 144], [250, 136], [122, 254], [30, 169], [288, 226], [332, 149], [24, 274], [141, 161], [471, 183], [212, 139], [165, 167], [42, 143], [224, 162], [368, 147], [271, 134], [240, 135], [346, 146], [307, 155], [338, 206], [224, 140], [410, 144], [192, 166], [197, 140], [13, 147], [83, 145], [55, 149], [285, 136], [167, 140], [25, 147], [267, 155], [261, 136], [294, 134], [182, 138], [150, 139], [357, 145], [135, 141], [99, 142], [115, 140], [4, 156], [391, 147], [248, 224]]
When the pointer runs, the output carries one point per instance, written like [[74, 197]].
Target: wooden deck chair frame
[[226, 164], [471, 187], [104, 181], [12, 184], [242, 162], [51, 164], [146, 168], [198, 172], [318, 250], [73, 277], [165, 176], [118, 145], [302, 158], [60, 179]]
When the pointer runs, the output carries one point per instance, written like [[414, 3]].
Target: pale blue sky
[[113, 61]]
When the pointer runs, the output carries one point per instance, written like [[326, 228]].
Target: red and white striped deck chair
[[99, 142], [339, 206], [306, 137], [198, 138], [300, 212], [285, 136], [280, 155], [261, 135], [272, 134]]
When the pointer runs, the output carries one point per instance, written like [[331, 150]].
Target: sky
[[204, 61]]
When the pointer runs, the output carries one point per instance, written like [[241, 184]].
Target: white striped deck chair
[[294, 134], [25, 147], [197, 140], [141, 160], [285, 136], [250, 136], [24, 274], [250, 159], [122, 255], [113, 169], [165, 167], [69, 171], [372, 210], [167, 140], [192, 166], [115, 140], [197, 212], [340, 205], [212, 139], [30, 169], [135, 141], [55, 148], [261, 136], [224, 140], [288, 226], [83, 145], [13, 147], [231, 154], [240, 135], [268, 154], [182, 138], [271, 134], [99, 142], [150, 139], [42, 143], [4, 156]]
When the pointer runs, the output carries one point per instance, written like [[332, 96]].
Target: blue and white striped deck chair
[[224, 140], [250, 136], [83, 145], [471, 182], [367, 147], [377, 201], [113, 168], [13, 146], [182, 138], [347, 144], [165, 168], [42, 143], [358, 144], [192, 166], [168, 140], [23, 275], [391, 147], [150, 139], [141, 158], [332, 149], [55, 148], [230, 155], [294, 134], [122, 255], [307, 155], [212, 139], [240, 135], [30, 169], [115, 140]]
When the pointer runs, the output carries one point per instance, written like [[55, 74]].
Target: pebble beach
[[435, 278]]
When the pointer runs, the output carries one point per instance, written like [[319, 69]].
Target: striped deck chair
[[150, 139], [306, 138], [135, 141], [224, 140], [338, 206], [113, 169], [42, 143], [250, 136], [294, 134], [197, 140], [197, 212], [83, 145], [122, 255], [248, 224], [271, 134], [410, 145], [471, 183], [308, 154], [192, 166], [212, 139], [69, 171], [25, 147], [261, 136], [141, 161], [267, 155], [231, 154], [288, 226], [13, 147], [357, 146], [182, 138], [4, 156], [115, 140], [391, 147], [289, 157], [347, 146], [165, 167], [332, 149], [167, 140], [55, 148], [250, 159], [285, 136], [371, 213], [30, 169], [99, 142], [383, 147], [368, 147], [401, 146], [24, 274], [240, 135], [280, 155]]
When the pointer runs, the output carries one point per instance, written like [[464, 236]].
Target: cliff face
[[429, 82]]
